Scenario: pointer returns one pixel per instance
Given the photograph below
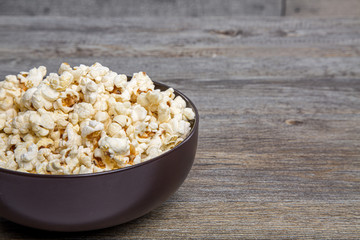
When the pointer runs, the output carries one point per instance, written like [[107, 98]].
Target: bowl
[[82, 202]]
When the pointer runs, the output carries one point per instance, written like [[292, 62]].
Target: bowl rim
[[128, 168]]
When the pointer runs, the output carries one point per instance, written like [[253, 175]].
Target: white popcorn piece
[[102, 116], [97, 71], [84, 110], [30, 155], [114, 145], [26, 98], [153, 126], [91, 86], [189, 114], [86, 119], [67, 100], [90, 90], [150, 100], [120, 81], [70, 137], [7, 160], [10, 83], [3, 92], [39, 124], [40, 167], [115, 130], [125, 96], [66, 67], [22, 148], [49, 94], [74, 118], [13, 140], [62, 82], [43, 154], [91, 127], [84, 170], [85, 156], [138, 113], [140, 82], [164, 113], [61, 119], [3, 119], [169, 93], [108, 81], [54, 166], [7, 103], [45, 143], [122, 120], [121, 108], [177, 106], [47, 120], [40, 99], [35, 77], [102, 105]]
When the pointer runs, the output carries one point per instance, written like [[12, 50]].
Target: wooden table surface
[[279, 102]]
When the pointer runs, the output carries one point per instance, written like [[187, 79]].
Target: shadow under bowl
[[82, 202]]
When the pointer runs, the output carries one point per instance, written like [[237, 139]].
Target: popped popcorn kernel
[[86, 119]]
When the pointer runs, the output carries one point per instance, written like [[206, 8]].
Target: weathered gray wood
[[323, 8], [207, 47], [279, 101], [141, 8]]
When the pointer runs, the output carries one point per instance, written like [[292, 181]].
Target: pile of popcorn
[[86, 119]]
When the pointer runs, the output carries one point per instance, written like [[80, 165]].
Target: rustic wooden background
[[279, 100], [189, 8]]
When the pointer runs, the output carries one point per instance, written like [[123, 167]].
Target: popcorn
[[122, 120], [67, 100], [115, 130], [163, 112], [97, 71], [62, 82], [140, 83], [70, 137], [42, 97], [28, 157], [34, 77], [102, 116], [138, 113], [114, 145], [189, 114], [91, 127], [6, 103], [7, 160], [120, 81], [84, 110], [85, 120], [108, 81], [26, 98]]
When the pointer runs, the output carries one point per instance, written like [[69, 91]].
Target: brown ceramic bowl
[[97, 200]]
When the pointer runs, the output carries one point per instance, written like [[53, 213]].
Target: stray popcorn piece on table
[[86, 119]]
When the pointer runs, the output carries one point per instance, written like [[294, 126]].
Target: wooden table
[[279, 100]]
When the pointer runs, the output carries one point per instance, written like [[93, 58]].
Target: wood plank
[[204, 221], [189, 48], [323, 8], [169, 69], [114, 8]]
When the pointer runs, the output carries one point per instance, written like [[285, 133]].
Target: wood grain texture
[[279, 102], [209, 47], [116, 8], [323, 8]]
